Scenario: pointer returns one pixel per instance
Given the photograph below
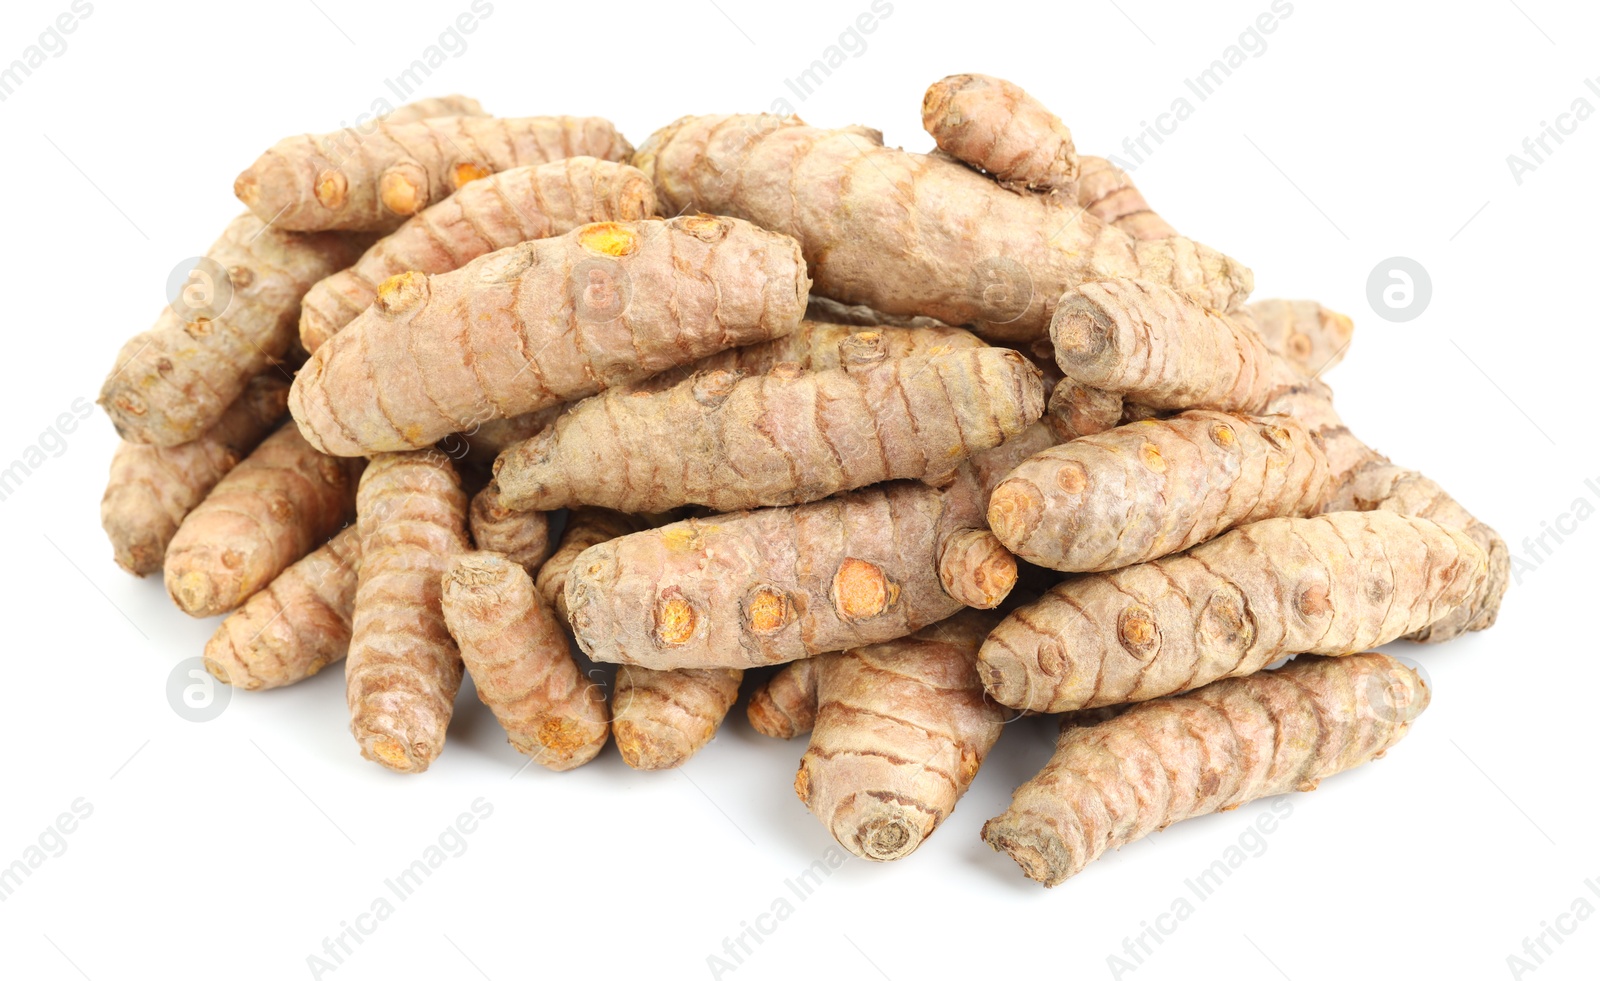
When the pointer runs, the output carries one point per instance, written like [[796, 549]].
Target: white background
[[1365, 130]]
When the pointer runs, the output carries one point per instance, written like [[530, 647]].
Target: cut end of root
[[394, 754], [881, 830], [608, 238], [247, 188], [197, 593], [1042, 859]]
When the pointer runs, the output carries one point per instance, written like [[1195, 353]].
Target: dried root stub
[[1107, 192], [730, 442], [373, 179], [763, 587], [785, 706], [993, 125], [280, 502], [153, 488], [173, 382], [517, 653], [404, 669], [1227, 744], [513, 206], [662, 718], [901, 729], [1326, 585], [296, 626], [912, 234], [542, 323], [521, 536], [1156, 487]]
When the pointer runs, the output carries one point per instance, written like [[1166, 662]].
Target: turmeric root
[[914, 234], [173, 382], [374, 180], [1107, 192], [521, 536], [516, 651], [993, 125], [1362, 479], [785, 706], [404, 669], [1326, 585], [730, 442], [545, 322], [1151, 345], [1312, 337], [152, 488], [280, 502], [444, 105], [1075, 410], [296, 626], [1156, 487], [664, 717], [901, 729], [585, 527], [774, 585], [1227, 744], [822, 346], [512, 206]]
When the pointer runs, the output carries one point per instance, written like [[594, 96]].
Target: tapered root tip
[[1041, 857]]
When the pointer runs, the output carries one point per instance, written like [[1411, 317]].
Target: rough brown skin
[[778, 584], [662, 718], [901, 729], [545, 322], [585, 527], [521, 536], [516, 650], [444, 105], [1308, 334], [731, 441], [1326, 585], [1227, 744], [914, 234], [1365, 480], [374, 178], [993, 125], [497, 212], [174, 381], [296, 626], [1156, 487], [785, 705], [404, 669], [1107, 192], [152, 488], [279, 503], [1151, 345]]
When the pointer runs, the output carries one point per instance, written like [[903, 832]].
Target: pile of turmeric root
[[923, 441]]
